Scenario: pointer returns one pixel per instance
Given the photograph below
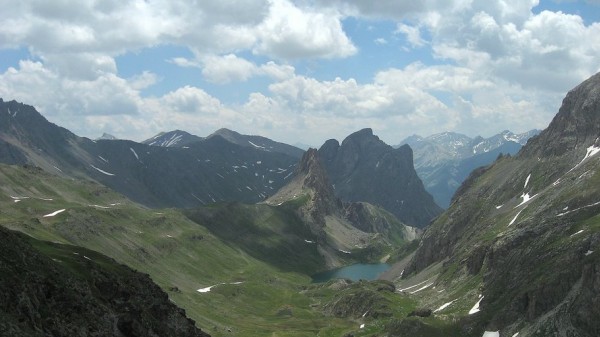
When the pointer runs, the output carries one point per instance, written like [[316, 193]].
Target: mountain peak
[[310, 180], [314, 174], [225, 133], [106, 136], [362, 135], [175, 138], [575, 126]]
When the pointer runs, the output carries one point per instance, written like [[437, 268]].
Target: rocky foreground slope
[[522, 237], [49, 289]]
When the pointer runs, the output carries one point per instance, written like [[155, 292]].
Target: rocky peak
[[576, 125], [364, 168], [106, 136], [230, 135], [314, 178]]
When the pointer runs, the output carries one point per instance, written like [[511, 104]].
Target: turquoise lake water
[[355, 272]]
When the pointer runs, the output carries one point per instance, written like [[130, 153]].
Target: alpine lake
[[355, 272]]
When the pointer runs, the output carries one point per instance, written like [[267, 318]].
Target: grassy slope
[[182, 256]]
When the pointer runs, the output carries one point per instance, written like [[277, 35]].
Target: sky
[[297, 71]]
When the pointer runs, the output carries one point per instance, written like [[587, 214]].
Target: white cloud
[[228, 68], [413, 34], [380, 41], [290, 32], [34, 84]]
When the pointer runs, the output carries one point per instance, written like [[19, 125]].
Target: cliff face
[[528, 228], [364, 168], [49, 289]]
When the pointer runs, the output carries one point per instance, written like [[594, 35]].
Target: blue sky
[[297, 71]]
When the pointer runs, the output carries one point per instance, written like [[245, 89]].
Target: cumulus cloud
[[413, 34], [505, 64], [228, 68], [289, 32]]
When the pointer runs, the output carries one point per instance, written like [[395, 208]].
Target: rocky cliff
[[48, 289], [526, 230], [364, 168]]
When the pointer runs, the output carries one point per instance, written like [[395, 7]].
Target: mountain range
[[177, 169], [443, 161], [515, 254]]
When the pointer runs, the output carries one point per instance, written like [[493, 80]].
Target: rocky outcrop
[[362, 299], [364, 168], [527, 226], [575, 126], [61, 291]]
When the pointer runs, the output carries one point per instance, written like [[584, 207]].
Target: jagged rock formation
[[364, 168], [339, 227], [527, 228], [56, 290], [310, 181]]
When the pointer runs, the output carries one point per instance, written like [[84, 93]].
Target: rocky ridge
[[526, 230], [200, 173]]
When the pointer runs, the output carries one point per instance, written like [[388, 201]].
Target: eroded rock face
[[43, 296], [364, 168], [575, 126], [528, 226]]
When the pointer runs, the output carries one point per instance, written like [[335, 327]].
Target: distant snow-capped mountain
[[444, 160]]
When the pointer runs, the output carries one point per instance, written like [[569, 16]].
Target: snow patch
[[498, 207], [102, 171], [591, 151], [527, 180], [416, 285], [515, 335], [345, 251], [491, 334], [207, 289], [526, 199], [444, 306], [422, 288], [98, 206], [579, 232], [577, 209], [588, 252], [515, 218], [54, 213], [135, 154], [362, 326], [475, 308], [256, 146], [307, 241]]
